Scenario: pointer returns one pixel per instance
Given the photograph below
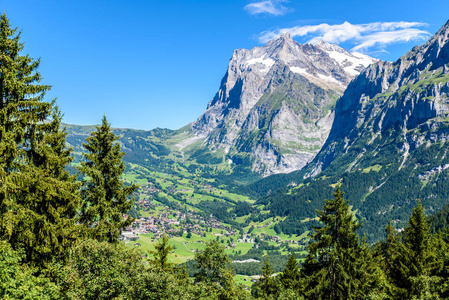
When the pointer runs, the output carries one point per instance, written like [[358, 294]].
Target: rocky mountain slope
[[274, 108], [408, 98], [388, 145]]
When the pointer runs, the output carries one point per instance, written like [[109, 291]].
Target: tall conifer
[[331, 253], [390, 253], [105, 197], [417, 239], [38, 198], [423, 263], [332, 269], [162, 250], [290, 277], [268, 285]]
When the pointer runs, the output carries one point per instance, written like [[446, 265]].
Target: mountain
[[275, 105], [388, 146], [406, 98], [146, 148]]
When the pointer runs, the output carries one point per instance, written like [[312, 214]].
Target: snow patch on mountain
[[299, 70]]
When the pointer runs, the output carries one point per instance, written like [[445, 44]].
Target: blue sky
[[157, 63]]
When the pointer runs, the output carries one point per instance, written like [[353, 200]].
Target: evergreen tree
[[231, 290], [290, 277], [370, 279], [105, 197], [417, 240], [390, 253], [332, 267], [421, 260], [38, 198], [267, 285], [211, 262], [163, 249], [330, 257], [440, 247], [189, 233]]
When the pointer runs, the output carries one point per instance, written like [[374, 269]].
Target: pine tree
[[371, 281], [212, 263], [335, 257], [268, 285], [38, 198], [290, 276], [163, 249], [390, 252], [231, 290], [422, 261], [417, 239], [105, 197], [332, 252]]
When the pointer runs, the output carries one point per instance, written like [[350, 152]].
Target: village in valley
[[179, 205]]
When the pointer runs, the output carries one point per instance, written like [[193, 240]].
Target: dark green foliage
[[213, 272], [17, 280], [100, 270], [243, 208], [390, 252], [134, 212], [38, 197], [417, 240], [439, 220], [267, 284], [337, 265], [162, 250], [217, 208], [415, 268], [231, 290], [421, 259], [290, 277], [211, 262], [105, 197]]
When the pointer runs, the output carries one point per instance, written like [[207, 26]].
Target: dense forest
[[59, 237], [376, 190]]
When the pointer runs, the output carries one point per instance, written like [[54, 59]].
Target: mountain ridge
[[282, 80], [386, 77], [388, 146]]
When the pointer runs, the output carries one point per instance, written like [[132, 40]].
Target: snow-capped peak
[[352, 63]]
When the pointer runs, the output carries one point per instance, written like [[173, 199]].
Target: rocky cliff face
[[276, 103], [388, 146], [407, 98]]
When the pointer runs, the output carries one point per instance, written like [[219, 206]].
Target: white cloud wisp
[[271, 7], [363, 36]]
